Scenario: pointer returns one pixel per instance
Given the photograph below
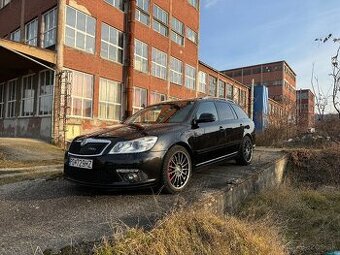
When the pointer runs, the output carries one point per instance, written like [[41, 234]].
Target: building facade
[[305, 110], [89, 64], [279, 77]]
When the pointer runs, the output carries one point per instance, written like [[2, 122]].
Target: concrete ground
[[52, 213]]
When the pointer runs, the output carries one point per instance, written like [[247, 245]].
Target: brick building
[[70, 66], [279, 77], [305, 109]]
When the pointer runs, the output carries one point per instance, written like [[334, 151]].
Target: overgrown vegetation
[[199, 232]]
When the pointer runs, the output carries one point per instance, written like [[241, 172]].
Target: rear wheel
[[177, 168], [245, 154]]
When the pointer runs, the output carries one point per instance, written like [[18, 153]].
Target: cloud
[[209, 3]]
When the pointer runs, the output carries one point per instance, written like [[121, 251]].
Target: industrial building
[[278, 77], [70, 66], [305, 109]]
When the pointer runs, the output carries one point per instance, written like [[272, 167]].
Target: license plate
[[81, 163]]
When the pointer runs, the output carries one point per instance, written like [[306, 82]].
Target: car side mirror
[[206, 117]]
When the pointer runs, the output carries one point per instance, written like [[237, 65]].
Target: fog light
[[127, 171], [132, 177]]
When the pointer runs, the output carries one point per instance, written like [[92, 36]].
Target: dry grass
[[199, 232]]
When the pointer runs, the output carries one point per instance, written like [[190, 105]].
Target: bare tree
[[321, 100], [335, 73]]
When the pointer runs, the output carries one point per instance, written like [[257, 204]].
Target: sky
[[236, 33]]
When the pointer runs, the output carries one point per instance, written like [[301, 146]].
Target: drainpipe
[[22, 21], [130, 56], [59, 66]]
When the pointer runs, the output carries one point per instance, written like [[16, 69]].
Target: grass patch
[[311, 216], [198, 232]]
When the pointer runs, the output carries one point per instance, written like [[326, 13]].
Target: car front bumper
[[123, 171]]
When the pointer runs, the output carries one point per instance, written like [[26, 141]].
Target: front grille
[[92, 147]]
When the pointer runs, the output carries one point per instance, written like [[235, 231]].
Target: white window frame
[[82, 97], [15, 35], [135, 107], [210, 78], [190, 77], [106, 101], [160, 22], [229, 96], [2, 100], [78, 32], [158, 95], [202, 82], [49, 28], [12, 101], [177, 31], [119, 4], [46, 97], [29, 39], [176, 71], [113, 46], [193, 3], [191, 35], [159, 69], [25, 99], [142, 58], [3, 3], [223, 83], [142, 10]]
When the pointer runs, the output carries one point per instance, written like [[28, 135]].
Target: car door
[[205, 134], [241, 124], [229, 125]]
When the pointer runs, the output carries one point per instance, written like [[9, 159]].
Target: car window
[[224, 111], [239, 112], [206, 107]]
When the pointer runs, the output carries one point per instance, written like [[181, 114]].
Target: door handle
[[221, 128]]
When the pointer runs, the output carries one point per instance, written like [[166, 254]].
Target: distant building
[[305, 110], [279, 77]]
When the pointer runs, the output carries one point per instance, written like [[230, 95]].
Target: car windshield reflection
[[162, 113]]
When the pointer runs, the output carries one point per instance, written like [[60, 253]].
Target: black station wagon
[[160, 145]]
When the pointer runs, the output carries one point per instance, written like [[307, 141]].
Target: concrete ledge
[[229, 198]]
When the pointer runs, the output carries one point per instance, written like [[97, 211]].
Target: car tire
[[245, 154], [176, 171]]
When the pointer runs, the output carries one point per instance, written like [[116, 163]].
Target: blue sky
[[238, 33]]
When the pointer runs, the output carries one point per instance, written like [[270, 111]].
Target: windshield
[[172, 112]]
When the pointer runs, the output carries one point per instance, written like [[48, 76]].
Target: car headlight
[[134, 146]]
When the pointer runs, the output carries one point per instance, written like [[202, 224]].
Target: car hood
[[134, 131]]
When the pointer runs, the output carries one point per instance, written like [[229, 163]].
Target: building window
[[243, 99], [27, 96], [230, 91], [157, 98], [141, 56], [221, 88], [177, 33], [112, 43], [116, 3], [109, 100], [140, 99], [212, 86], [202, 81], [142, 12], [50, 28], [2, 99], [80, 30], [190, 77], [11, 98], [160, 21], [81, 96], [3, 3], [194, 3], [159, 64], [15, 36], [46, 80], [176, 71], [192, 35], [31, 32]]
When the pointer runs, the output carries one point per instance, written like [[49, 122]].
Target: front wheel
[[245, 154], [177, 168]]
